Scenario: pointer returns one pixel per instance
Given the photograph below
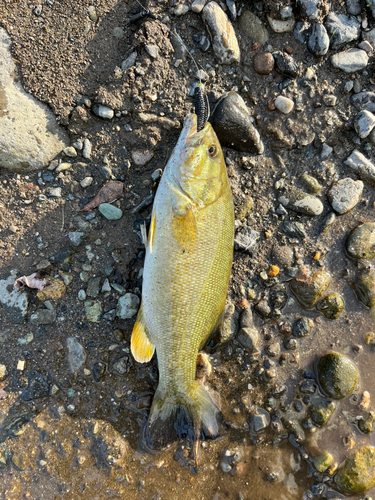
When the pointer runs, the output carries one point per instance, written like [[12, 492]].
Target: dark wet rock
[[363, 167], [323, 462], [345, 194], [301, 327], [43, 317], [361, 241], [322, 411], [353, 7], [232, 123], [290, 343], [263, 63], [318, 41], [76, 238], [307, 387], [350, 61], [248, 338], [252, 27], [365, 287], [309, 286], [357, 474], [98, 371], [263, 308], [366, 424], [286, 65], [300, 31], [93, 287], [247, 239], [121, 365], [38, 386], [21, 460], [342, 29], [76, 354], [337, 375], [364, 101], [331, 306], [282, 255], [301, 202], [14, 304], [313, 10], [260, 420], [294, 229], [327, 222], [13, 422], [364, 122]]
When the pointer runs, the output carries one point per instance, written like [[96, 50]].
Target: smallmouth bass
[[185, 279]]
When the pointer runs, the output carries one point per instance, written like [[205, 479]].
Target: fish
[[186, 273]]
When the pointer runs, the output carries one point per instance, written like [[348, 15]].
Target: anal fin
[[141, 346]]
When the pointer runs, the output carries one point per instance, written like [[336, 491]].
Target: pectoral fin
[[141, 346], [151, 233]]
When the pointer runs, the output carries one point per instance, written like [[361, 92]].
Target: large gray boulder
[[29, 134]]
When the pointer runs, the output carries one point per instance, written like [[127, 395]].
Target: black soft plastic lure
[[202, 107]]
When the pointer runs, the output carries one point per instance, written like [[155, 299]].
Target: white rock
[[103, 111], [362, 167], [181, 10], [3, 372], [127, 306], [344, 195], [279, 26], [224, 41], [284, 104], [29, 134], [326, 151], [350, 61], [129, 61], [198, 5], [86, 182], [141, 158], [152, 50], [364, 122], [87, 149]]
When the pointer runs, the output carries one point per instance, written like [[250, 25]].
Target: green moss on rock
[[337, 375], [357, 474]]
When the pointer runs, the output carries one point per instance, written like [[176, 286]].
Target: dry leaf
[[31, 281], [108, 194]]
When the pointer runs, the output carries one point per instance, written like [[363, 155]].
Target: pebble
[[318, 41], [39, 386], [76, 354], [350, 61], [63, 167], [361, 241], [92, 13], [353, 7], [366, 45], [252, 27], [348, 87], [141, 158], [284, 104], [308, 286], [331, 306], [357, 474], [110, 212], [248, 337], [48, 176], [301, 327], [98, 371], [93, 310], [300, 31], [330, 100], [3, 372], [129, 61], [106, 287], [362, 167], [70, 151], [232, 123], [81, 295], [263, 63], [223, 37], [93, 287], [87, 149], [260, 420], [181, 10], [364, 122], [103, 111], [86, 182], [127, 306], [247, 239], [286, 65], [294, 229], [344, 195], [313, 10], [281, 25], [197, 5], [311, 184], [342, 29], [301, 202], [152, 50], [283, 255], [364, 101], [326, 151], [76, 238], [43, 317]]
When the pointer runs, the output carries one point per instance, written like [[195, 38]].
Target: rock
[[260, 420], [331, 306], [76, 238], [92, 13], [313, 10], [284, 104], [43, 317], [197, 5], [248, 337], [309, 286], [152, 50], [247, 239], [121, 365], [286, 65], [301, 327], [367, 47], [323, 462], [300, 31], [141, 158], [361, 241], [294, 229], [349, 86], [362, 167], [98, 371], [129, 61], [342, 29], [322, 411], [70, 152], [181, 10], [263, 63], [252, 27], [301, 202], [30, 136], [81, 295], [281, 25], [110, 212], [180, 50], [311, 184], [364, 122], [364, 100], [13, 303], [93, 287], [232, 123], [93, 310], [3, 372], [365, 288], [357, 474], [337, 375], [127, 306], [353, 7], [330, 100], [38, 386], [318, 41], [76, 354], [86, 182], [366, 424], [103, 111], [344, 195], [326, 151], [350, 61], [223, 37], [282, 255], [87, 149]]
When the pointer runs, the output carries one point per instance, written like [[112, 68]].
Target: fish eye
[[212, 151]]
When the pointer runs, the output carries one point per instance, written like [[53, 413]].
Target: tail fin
[[192, 415]]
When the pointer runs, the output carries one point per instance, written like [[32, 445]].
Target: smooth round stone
[[284, 104], [82, 295], [331, 306], [309, 286], [141, 158], [322, 411], [70, 151], [103, 111], [337, 375], [127, 306], [110, 212], [248, 338], [251, 26], [344, 195], [350, 61], [301, 202], [263, 63], [93, 310], [318, 41], [281, 25], [357, 474], [361, 241], [86, 182], [365, 288], [364, 122]]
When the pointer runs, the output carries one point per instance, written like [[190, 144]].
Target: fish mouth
[[189, 131]]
